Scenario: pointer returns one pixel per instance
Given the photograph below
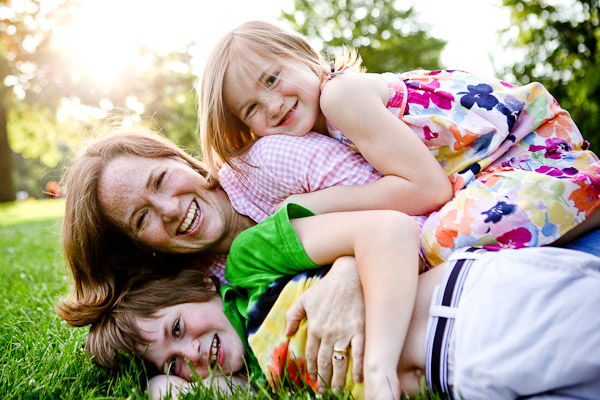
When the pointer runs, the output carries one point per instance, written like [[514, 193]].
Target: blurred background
[[68, 65]]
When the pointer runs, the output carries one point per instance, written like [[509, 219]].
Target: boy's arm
[[386, 248]]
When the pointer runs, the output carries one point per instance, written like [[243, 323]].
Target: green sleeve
[[268, 251]]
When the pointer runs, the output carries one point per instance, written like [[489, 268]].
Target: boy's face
[[198, 332]]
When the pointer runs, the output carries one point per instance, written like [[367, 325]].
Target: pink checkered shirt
[[278, 166]]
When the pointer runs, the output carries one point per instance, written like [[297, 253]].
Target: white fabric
[[528, 324]]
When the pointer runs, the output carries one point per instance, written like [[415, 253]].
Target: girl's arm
[[386, 248], [413, 182]]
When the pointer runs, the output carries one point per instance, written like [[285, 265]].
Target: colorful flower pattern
[[277, 354], [521, 172]]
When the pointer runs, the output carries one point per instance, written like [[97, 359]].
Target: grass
[[40, 356]]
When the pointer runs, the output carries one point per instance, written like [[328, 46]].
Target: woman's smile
[[193, 220]]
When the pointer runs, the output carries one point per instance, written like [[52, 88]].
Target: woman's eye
[[140, 220], [160, 179], [176, 328]]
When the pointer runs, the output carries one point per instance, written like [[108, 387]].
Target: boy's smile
[[198, 333]]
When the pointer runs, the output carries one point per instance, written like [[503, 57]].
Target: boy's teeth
[[214, 351], [189, 218]]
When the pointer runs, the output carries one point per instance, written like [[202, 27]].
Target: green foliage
[[560, 44], [388, 39]]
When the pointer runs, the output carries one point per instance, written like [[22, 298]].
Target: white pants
[[521, 323]]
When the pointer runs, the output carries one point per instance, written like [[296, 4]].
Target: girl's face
[[164, 204], [196, 332], [273, 97]]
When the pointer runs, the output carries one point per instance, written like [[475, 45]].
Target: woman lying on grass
[[485, 324]]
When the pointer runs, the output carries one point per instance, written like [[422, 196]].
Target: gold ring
[[339, 356], [340, 351]]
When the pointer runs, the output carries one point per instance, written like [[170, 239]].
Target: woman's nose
[[168, 208]]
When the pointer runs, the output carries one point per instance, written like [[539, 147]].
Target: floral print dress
[[521, 172]]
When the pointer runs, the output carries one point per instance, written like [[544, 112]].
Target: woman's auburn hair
[[223, 136], [100, 255], [116, 334]]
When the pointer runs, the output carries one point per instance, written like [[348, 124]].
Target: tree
[[560, 49], [39, 75], [26, 68], [388, 39]]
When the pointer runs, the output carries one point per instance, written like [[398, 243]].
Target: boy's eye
[[176, 328]]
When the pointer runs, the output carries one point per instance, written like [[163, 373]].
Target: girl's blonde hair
[[223, 136], [100, 255]]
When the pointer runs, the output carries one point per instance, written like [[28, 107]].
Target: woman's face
[[196, 332], [164, 204]]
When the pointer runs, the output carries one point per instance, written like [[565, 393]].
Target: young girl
[[513, 162]]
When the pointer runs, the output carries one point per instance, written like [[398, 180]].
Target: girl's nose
[[273, 104]]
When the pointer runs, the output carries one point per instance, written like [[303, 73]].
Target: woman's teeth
[[191, 220], [214, 351]]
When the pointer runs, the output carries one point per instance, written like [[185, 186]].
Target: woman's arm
[[414, 181], [386, 247]]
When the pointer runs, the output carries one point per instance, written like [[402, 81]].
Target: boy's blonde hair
[[116, 334], [222, 134]]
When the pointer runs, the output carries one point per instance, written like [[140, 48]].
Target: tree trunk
[[7, 188]]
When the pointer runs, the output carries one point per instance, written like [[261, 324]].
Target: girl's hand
[[382, 386], [340, 324]]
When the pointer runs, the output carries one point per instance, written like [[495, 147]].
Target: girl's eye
[[176, 328], [272, 79], [140, 220], [250, 110]]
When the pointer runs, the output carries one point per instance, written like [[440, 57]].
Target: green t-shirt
[[259, 257]]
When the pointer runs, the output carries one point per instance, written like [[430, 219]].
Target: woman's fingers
[[340, 359], [312, 349], [358, 353]]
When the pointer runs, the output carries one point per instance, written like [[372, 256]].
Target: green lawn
[[40, 356]]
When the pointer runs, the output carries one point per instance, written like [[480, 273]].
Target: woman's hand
[[334, 308]]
